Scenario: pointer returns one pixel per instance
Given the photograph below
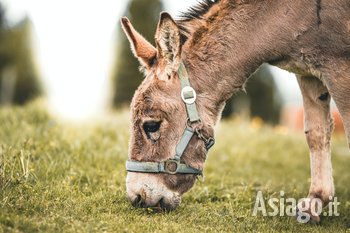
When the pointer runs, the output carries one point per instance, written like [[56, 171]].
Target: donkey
[[203, 58]]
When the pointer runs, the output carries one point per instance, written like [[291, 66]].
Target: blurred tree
[[261, 100], [2, 16], [144, 15], [18, 76]]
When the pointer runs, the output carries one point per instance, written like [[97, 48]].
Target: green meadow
[[60, 177]]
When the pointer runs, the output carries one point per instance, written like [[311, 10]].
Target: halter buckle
[[168, 166], [188, 95], [210, 143]]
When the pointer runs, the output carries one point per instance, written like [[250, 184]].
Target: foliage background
[[19, 79], [126, 76]]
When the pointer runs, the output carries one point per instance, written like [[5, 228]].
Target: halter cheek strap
[[188, 95], [174, 166]]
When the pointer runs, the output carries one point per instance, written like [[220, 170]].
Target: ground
[[57, 177]]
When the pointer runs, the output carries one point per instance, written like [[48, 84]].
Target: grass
[[56, 177]]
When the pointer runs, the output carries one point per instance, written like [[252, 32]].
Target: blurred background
[[73, 54]]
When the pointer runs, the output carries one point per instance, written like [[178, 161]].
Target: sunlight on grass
[[56, 177]]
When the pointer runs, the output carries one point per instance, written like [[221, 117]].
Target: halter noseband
[[174, 166]]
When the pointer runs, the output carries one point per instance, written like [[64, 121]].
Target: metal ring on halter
[[189, 123], [167, 166], [188, 95]]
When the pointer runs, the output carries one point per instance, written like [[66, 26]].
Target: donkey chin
[[149, 191]]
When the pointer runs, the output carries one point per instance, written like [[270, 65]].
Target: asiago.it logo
[[303, 208]]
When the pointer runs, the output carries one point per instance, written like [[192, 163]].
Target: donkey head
[[159, 118]]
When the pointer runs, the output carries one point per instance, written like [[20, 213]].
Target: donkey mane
[[197, 11], [194, 12]]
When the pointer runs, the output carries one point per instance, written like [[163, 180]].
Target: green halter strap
[[174, 166], [188, 95]]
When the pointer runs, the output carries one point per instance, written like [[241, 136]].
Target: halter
[[174, 166]]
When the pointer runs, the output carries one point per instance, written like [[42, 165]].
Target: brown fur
[[222, 44]]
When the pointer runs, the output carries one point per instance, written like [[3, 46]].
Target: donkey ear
[[142, 49], [168, 42]]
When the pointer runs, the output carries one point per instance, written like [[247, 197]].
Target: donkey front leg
[[318, 129]]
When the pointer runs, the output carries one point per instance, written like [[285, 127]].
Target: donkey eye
[[151, 126]]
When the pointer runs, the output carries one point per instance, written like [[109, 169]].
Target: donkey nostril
[[138, 198], [137, 201]]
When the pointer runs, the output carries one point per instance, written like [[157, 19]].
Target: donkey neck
[[232, 39]]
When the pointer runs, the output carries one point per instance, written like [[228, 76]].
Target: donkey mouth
[[163, 204]]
